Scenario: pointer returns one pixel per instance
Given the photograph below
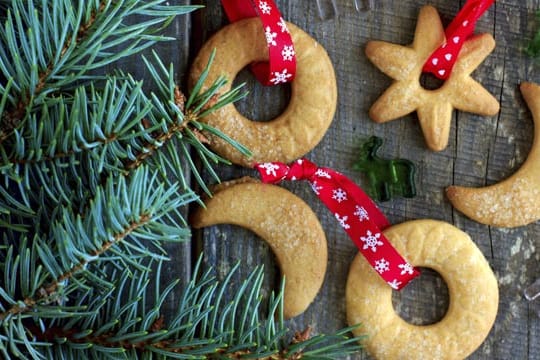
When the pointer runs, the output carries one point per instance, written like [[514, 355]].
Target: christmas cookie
[[472, 290], [285, 222], [311, 107], [514, 201], [434, 108]]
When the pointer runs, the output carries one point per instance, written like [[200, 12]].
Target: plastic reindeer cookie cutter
[[387, 177]]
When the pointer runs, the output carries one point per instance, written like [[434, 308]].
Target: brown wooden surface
[[482, 150]]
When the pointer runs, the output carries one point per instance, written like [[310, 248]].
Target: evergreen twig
[[74, 37], [195, 331], [93, 182]]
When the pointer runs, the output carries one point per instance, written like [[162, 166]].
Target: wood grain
[[482, 150]]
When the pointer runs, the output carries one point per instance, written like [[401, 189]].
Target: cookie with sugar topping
[[472, 288], [285, 222], [434, 108], [311, 107]]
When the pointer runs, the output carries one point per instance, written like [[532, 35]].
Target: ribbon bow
[[355, 212]]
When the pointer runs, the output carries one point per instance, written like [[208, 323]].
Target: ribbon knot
[[355, 212], [273, 173], [302, 169]]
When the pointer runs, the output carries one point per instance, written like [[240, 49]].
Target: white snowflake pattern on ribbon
[[361, 213], [382, 265], [315, 187], [339, 195], [270, 168], [283, 25], [406, 269], [394, 284], [323, 174], [343, 221], [280, 77], [270, 36], [288, 53], [265, 8], [371, 241]]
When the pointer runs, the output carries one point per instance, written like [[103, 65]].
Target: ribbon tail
[[471, 12], [355, 212], [272, 173], [281, 64], [441, 62], [361, 197]]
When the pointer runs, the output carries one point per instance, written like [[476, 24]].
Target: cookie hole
[[430, 82], [417, 308], [263, 103]]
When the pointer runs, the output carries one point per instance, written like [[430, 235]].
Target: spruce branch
[[51, 48], [94, 182], [115, 128], [118, 216], [208, 324], [183, 119]]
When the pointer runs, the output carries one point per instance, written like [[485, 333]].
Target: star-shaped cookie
[[434, 107]]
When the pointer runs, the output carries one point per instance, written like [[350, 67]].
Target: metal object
[[328, 9]]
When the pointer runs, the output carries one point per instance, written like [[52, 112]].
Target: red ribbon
[[281, 67], [441, 62], [354, 210]]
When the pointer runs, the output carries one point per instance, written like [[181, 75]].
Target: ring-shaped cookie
[[309, 112], [472, 290]]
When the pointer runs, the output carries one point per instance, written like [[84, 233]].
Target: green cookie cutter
[[387, 177]]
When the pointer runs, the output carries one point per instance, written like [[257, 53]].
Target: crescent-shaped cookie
[[311, 107], [514, 201], [286, 223]]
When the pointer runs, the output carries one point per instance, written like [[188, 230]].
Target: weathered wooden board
[[482, 150]]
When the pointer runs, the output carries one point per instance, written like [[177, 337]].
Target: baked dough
[[285, 222], [472, 290], [514, 201], [305, 120], [434, 107]]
